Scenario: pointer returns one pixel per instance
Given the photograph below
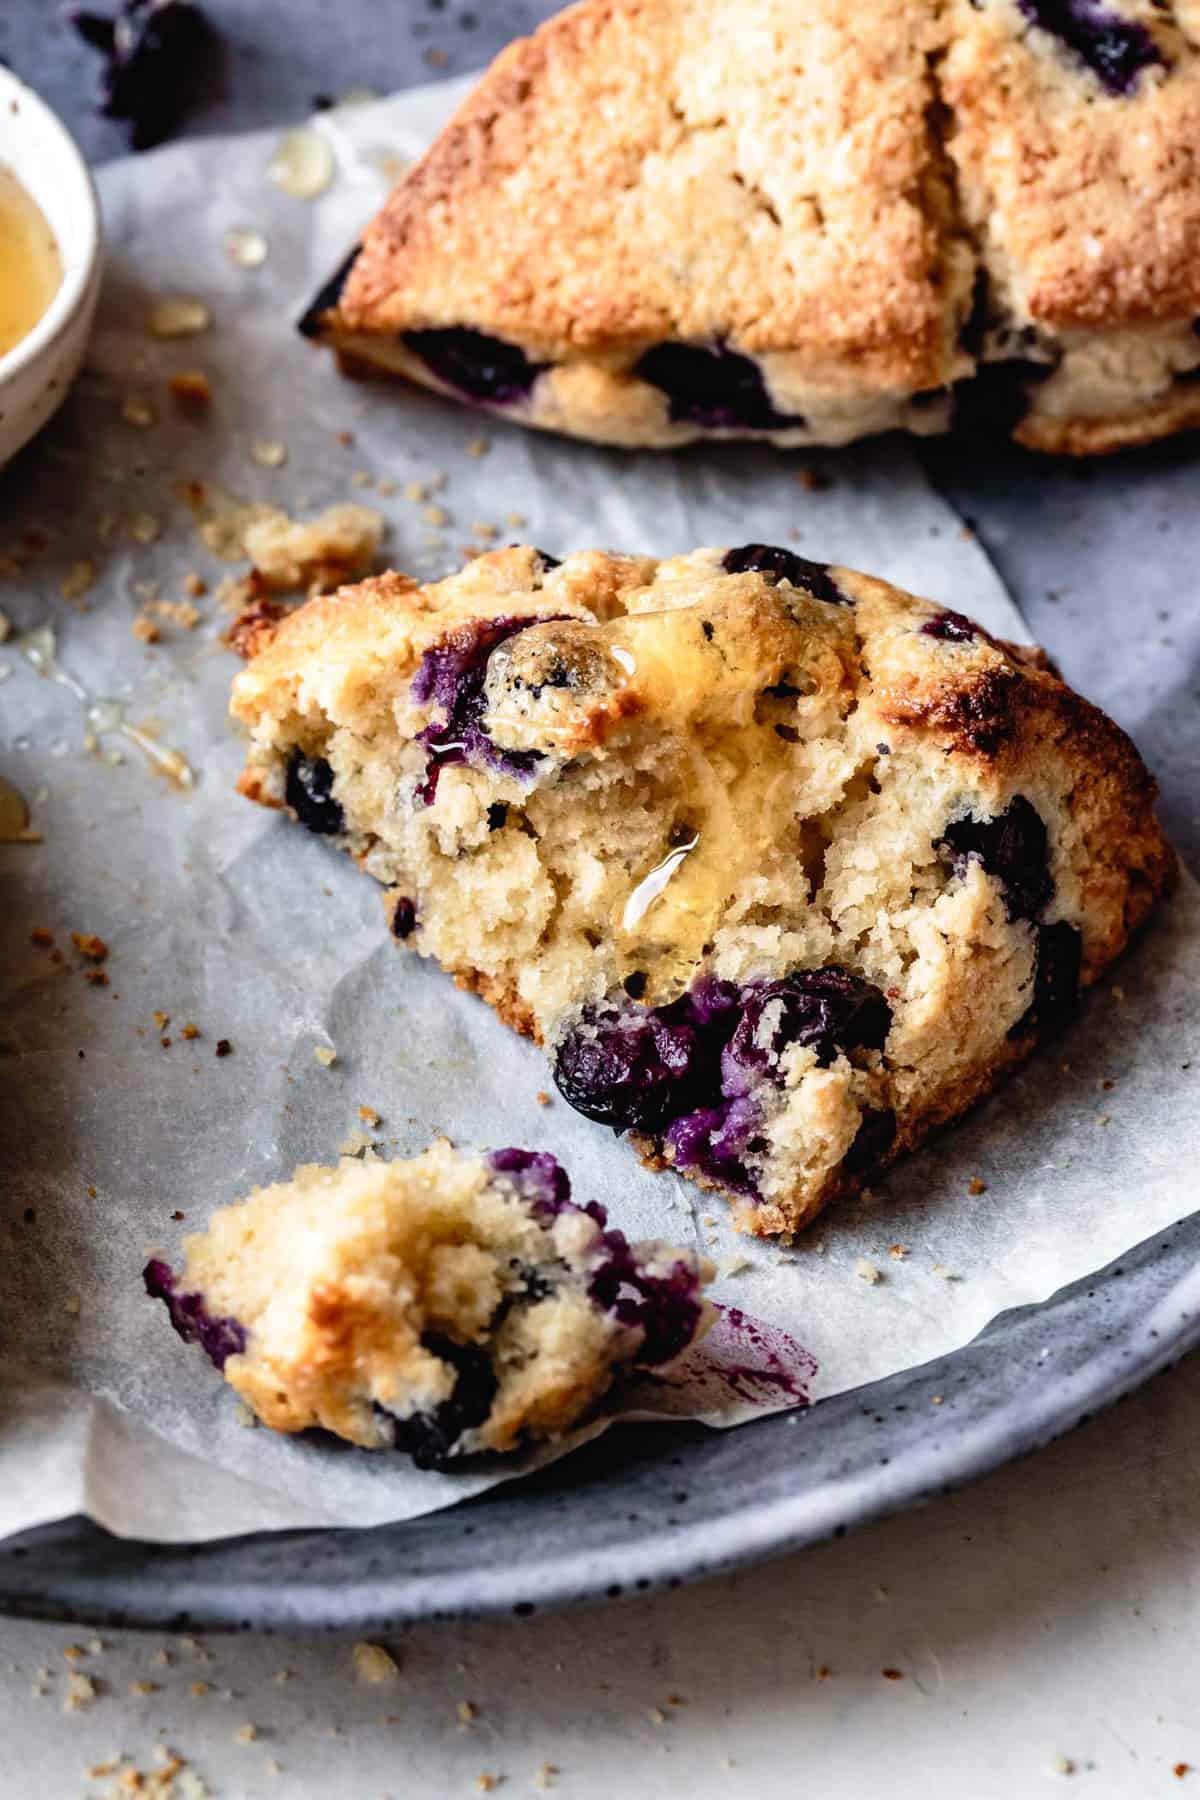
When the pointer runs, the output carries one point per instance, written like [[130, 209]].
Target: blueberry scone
[[808, 221], [457, 1303], [782, 866]]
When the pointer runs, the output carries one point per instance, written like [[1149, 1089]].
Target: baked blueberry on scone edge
[[808, 221], [453, 1304], [781, 865]]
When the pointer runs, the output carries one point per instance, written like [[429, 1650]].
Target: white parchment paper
[[221, 915]]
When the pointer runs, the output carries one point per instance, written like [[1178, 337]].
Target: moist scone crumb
[[782, 866]]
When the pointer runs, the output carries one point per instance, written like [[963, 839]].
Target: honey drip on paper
[[104, 717]]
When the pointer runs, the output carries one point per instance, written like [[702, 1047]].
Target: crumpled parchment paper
[[223, 916]]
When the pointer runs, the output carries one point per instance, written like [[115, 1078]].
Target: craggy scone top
[[729, 789], [863, 204]]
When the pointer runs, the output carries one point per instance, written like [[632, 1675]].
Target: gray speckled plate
[[1100, 560], [645, 1508]]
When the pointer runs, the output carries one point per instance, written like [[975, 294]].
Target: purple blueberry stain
[[769, 559], [712, 386], [308, 790], [219, 1338], [664, 1307], [481, 368], [1013, 847], [451, 677], [158, 57], [1115, 49], [950, 628]]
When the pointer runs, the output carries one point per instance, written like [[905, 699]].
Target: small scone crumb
[[373, 1664]]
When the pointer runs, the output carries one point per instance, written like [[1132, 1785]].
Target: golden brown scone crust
[[739, 775], [822, 188]]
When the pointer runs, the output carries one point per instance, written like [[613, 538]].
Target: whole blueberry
[[480, 368], [712, 386]]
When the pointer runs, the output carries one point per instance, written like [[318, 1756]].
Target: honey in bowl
[[30, 266]]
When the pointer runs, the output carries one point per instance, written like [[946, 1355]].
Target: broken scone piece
[[782, 866], [456, 1303]]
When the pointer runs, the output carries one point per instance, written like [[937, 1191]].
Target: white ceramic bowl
[[36, 373]]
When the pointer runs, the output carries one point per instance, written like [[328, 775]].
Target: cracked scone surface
[[781, 865], [809, 221], [456, 1303]]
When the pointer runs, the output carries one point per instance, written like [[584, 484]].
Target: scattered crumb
[[374, 1664], [71, 1305], [177, 316], [269, 453], [542, 1097], [1104, 1118], [325, 1056], [78, 580], [355, 1144], [481, 529], [516, 520], [1062, 1765], [137, 410], [466, 1710], [976, 1186], [892, 1674], [823, 1671], [899, 1251], [867, 1271], [161, 1021], [945, 1274], [245, 1734], [41, 938], [545, 1776], [143, 1687], [369, 1116], [144, 528], [191, 391], [1180, 1770], [224, 1047], [198, 1689], [81, 1691], [89, 946], [194, 585], [936, 1399], [96, 977], [479, 446], [415, 491], [145, 630], [436, 515], [190, 1032]]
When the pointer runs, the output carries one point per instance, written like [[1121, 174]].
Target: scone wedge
[[807, 221], [455, 1304], [781, 865]]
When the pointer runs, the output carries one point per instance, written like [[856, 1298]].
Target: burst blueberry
[[950, 628], [768, 559], [219, 1338], [1115, 49]]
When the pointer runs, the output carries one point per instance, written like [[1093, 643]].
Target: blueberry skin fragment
[[429, 1437], [1013, 847], [218, 1338], [480, 368], [309, 792], [768, 559], [665, 1308], [712, 386], [1115, 49], [950, 628]]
